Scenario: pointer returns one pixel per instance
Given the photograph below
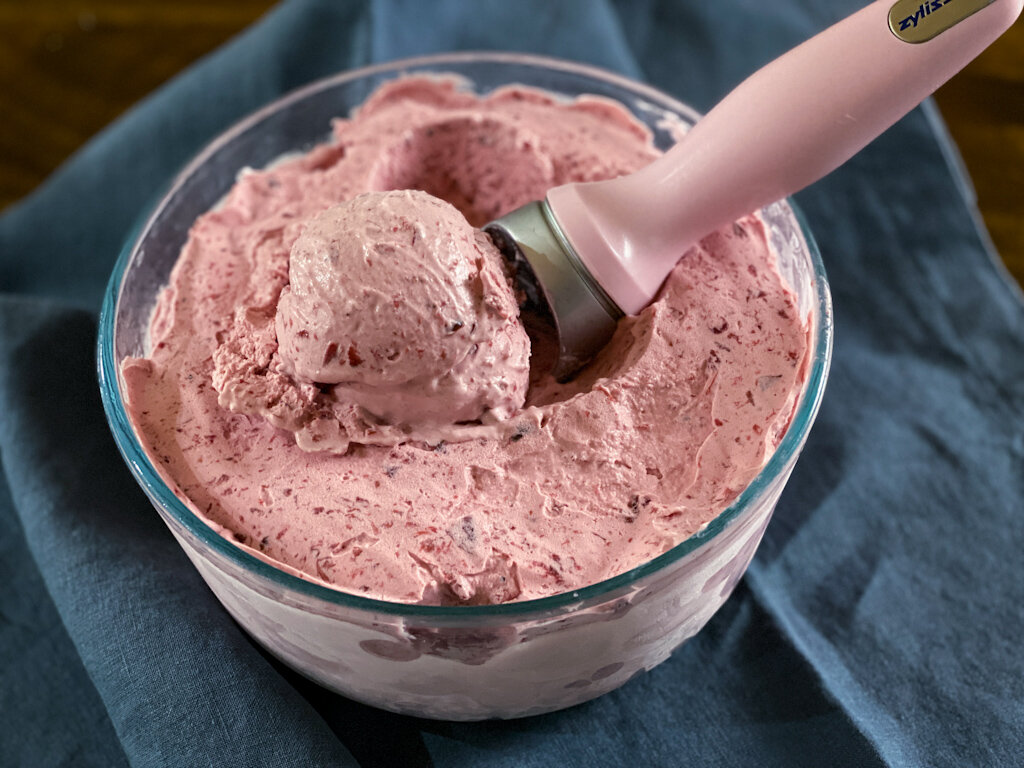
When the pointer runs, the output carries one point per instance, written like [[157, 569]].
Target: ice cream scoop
[[601, 250], [400, 306]]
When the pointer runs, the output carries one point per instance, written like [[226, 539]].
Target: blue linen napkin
[[878, 625]]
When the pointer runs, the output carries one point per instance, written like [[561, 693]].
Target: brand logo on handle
[[915, 22]]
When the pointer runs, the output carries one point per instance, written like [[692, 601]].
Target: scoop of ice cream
[[402, 307]]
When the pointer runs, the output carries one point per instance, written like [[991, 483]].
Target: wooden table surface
[[69, 68]]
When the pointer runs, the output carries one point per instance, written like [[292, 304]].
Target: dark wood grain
[[68, 68], [984, 109]]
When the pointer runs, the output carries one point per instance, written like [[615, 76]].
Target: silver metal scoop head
[[584, 315]]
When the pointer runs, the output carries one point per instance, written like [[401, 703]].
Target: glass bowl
[[461, 662]]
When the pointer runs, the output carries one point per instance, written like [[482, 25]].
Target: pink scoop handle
[[786, 126]]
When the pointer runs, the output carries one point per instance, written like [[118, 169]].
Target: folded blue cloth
[[879, 624]]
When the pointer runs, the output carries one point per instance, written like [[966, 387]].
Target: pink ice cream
[[343, 455], [398, 323]]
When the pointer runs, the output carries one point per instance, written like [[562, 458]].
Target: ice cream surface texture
[[339, 380]]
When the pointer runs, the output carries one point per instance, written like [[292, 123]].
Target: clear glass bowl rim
[[158, 491]]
